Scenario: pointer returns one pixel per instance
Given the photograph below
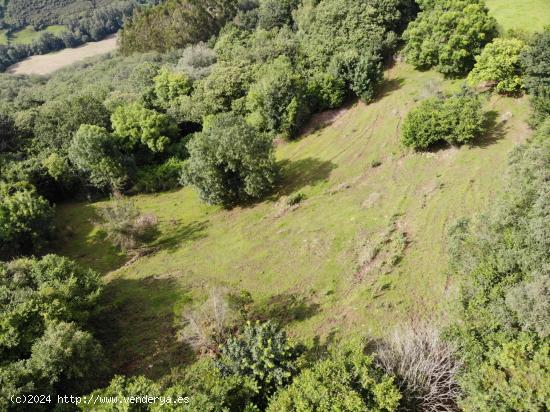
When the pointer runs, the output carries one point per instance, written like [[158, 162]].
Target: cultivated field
[[48, 63], [364, 251]]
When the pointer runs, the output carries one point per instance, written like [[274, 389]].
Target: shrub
[[26, 221], [197, 61], [261, 353], [536, 62], [277, 101], [124, 225], [455, 120], [347, 381], [499, 64], [447, 34], [134, 125], [230, 162], [156, 178], [425, 367], [8, 133], [93, 151]]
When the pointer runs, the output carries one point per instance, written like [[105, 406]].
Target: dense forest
[[201, 94]]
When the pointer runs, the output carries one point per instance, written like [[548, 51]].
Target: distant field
[[48, 63], [529, 15], [28, 35], [363, 252]]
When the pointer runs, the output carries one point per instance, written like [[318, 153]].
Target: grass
[[3, 38], [528, 15], [28, 34], [363, 251]]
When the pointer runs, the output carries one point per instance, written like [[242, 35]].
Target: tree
[[134, 125], [169, 86], [277, 100], [93, 151], [230, 161], [347, 381], [447, 34], [536, 63], [8, 133], [261, 353], [499, 64], [456, 120], [26, 221], [276, 13]]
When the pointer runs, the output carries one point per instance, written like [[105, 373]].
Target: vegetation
[[456, 120], [499, 66], [318, 228], [448, 34]]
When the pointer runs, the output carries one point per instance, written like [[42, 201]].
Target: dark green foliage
[[456, 120], [276, 13], [44, 304], [277, 101], [26, 221], [262, 353], [93, 151], [448, 34], [8, 133], [175, 24], [230, 161], [346, 381], [504, 343], [156, 178], [536, 63]]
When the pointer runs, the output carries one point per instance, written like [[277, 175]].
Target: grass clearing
[[528, 15], [3, 38], [363, 250], [28, 34]]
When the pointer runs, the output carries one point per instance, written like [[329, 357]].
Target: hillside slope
[[364, 250]]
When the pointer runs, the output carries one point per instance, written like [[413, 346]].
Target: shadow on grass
[[181, 234], [296, 174], [136, 326], [286, 308], [496, 130], [387, 87], [78, 239]]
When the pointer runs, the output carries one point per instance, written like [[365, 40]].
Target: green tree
[[277, 100], [347, 381], [134, 125], [230, 161], [262, 353], [448, 34], [8, 133], [93, 151], [499, 63], [536, 63], [26, 221], [169, 86], [456, 120], [276, 13]]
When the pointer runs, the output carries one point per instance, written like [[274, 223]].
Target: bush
[[277, 101], [499, 64], [230, 162], [455, 120], [448, 34], [197, 61], [347, 381], [26, 221], [93, 151], [125, 226], [536, 62], [157, 178], [261, 353], [135, 125], [425, 367]]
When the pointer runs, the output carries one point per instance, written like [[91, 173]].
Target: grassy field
[[28, 35], [3, 38], [528, 15], [363, 252]]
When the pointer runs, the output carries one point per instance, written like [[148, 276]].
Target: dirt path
[[48, 63]]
